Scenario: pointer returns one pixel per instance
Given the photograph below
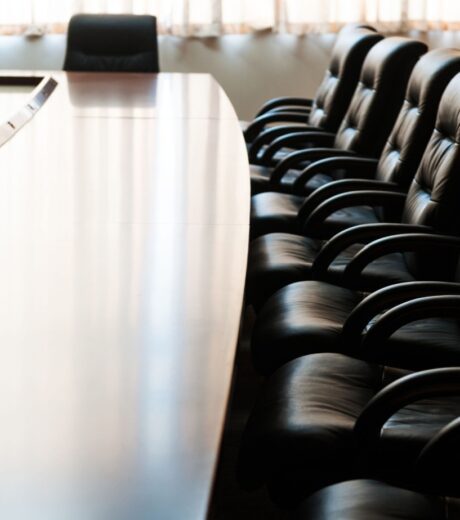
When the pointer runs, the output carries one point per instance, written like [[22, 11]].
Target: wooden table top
[[124, 214]]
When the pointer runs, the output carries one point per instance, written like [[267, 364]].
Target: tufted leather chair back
[[434, 194], [336, 90], [379, 95], [415, 123], [407, 142], [112, 43]]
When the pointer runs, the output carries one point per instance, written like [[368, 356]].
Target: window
[[213, 17]]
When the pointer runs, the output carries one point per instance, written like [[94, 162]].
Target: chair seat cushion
[[300, 434], [301, 318], [273, 212], [307, 317], [347, 218], [320, 179], [278, 259], [375, 500], [260, 180]]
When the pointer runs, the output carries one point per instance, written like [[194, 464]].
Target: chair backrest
[[434, 194], [112, 43], [379, 95], [415, 123], [333, 96]]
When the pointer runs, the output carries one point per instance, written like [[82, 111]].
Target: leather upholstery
[[112, 43], [334, 94], [336, 90], [300, 434], [432, 199], [378, 97], [404, 149], [376, 500], [308, 317], [278, 259], [375, 103], [398, 162]]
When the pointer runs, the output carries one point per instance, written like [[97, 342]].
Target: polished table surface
[[124, 211]]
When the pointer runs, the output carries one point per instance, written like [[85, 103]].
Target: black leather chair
[[366, 125], [376, 500], [282, 212], [278, 259], [112, 43], [324, 418], [327, 109]]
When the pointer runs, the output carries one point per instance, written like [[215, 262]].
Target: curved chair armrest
[[270, 134], [357, 234], [386, 298], [360, 167], [284, 101], [254, 128], [437, 306], [438, 382], [401, 243], [342, 186], [438, 456], [301, 139], [291, 109], [350, 199], [298, 159]]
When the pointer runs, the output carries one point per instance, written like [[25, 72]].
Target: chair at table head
[[112, 43]]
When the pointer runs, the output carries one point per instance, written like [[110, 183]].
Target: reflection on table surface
[[123, 240]]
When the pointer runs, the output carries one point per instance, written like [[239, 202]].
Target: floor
[[229, 501]]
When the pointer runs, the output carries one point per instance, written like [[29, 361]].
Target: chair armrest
[[357, 234], [297, 160], [445, 305], [291, 109], [386, 298], [355, 166], [439, 382], [401, 243], [254, 129], [313, 223], [285, 101], [301, 139], [270, 134]]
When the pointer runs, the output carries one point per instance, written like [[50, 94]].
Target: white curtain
[[388, 15], [214, 17]]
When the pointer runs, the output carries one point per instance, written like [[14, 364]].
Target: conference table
[[124, 218]]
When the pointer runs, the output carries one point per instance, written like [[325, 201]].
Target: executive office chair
[[327, 417], [112, 43], [309, 316], [278, 259], [395, 169], [327, 109], [365, 128]]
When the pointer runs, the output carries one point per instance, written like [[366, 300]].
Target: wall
[[250, 68]]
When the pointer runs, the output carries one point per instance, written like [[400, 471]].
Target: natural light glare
[[214, 17]]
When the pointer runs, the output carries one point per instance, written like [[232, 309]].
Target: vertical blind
[[214, 17]]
